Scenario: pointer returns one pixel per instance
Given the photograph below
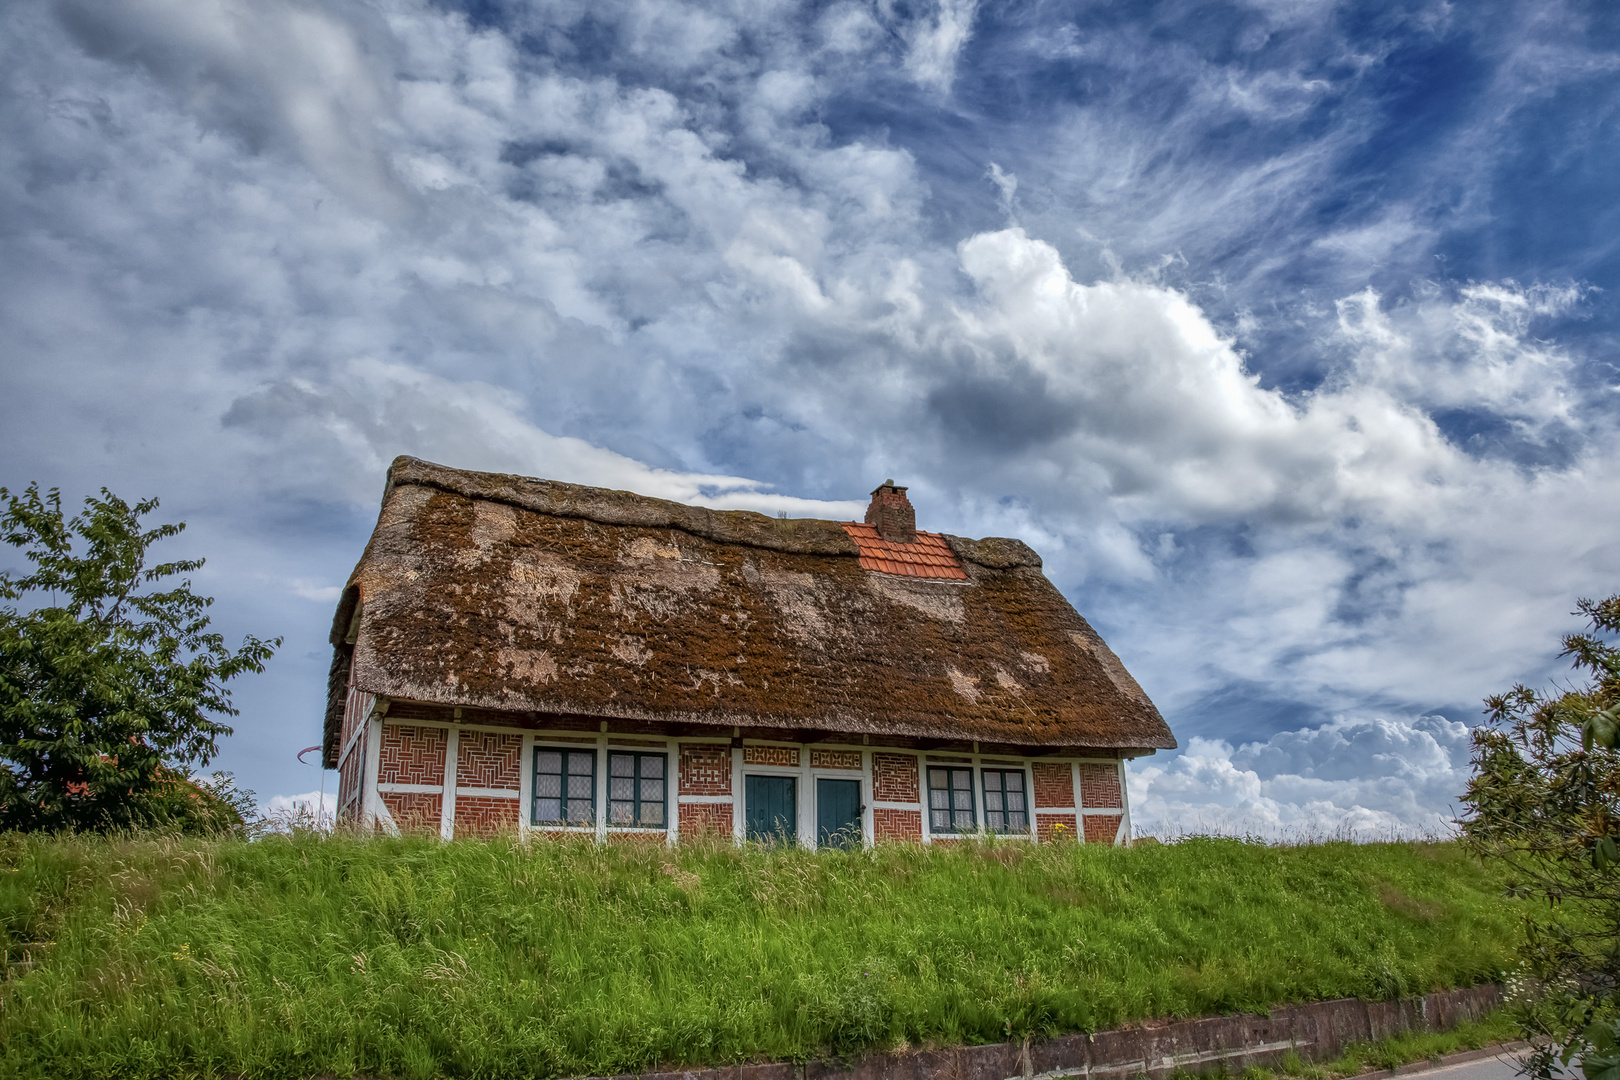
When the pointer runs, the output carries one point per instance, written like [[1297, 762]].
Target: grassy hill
[[303, 955]]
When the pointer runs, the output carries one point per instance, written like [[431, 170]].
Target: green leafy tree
[[1545, 799], [110, 681]]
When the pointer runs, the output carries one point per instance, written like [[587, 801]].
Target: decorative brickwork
[[414, 811], [705, 770], [835, 759], [1054, 784], [412, 755], [1058, 827], [1099, 786], [787, 756], [699, 819], [896, 825], [894, 778], [487, 759], [477, 814], [637, 839], [1102, 828]]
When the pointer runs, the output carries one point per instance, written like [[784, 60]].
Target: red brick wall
[[835, 759], [1054, 784], [1099, 786], [705, 770], [787, 756], [485, 814], [487, 759], [1102, 828], [414, 810], [896, 825], [894, 778], [698, 819], [412, 755], [1045, 830]]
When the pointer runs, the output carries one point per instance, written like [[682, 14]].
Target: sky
[[1284, 331]]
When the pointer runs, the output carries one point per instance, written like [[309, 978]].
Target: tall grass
[[316, 954]]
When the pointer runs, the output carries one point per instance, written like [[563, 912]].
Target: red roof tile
[[926, 557]]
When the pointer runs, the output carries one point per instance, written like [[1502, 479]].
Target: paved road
[[1501, 1067]]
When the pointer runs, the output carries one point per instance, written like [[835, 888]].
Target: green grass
[[303, 955]]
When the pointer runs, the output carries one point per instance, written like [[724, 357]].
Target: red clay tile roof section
[[926, 557]]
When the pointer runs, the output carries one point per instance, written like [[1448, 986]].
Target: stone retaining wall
[[1315, 1032]]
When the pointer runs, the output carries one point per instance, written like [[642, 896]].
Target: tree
[[109, 677], [1545, 800]]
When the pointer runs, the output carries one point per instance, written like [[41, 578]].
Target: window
[[950, 800], [636, 790], [1004, 808], [564, 787]]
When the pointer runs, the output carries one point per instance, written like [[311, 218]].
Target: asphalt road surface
[[1502, 1067]]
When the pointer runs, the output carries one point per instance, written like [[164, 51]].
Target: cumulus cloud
[[1362, 779]]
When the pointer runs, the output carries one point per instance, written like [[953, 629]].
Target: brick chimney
[[891, 512]]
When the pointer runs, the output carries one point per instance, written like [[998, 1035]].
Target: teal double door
[[771, 810]]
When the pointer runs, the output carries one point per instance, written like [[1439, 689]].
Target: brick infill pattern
[[412, 755], [889, 825], [1056, 827], [894, 778], [487, 759], [700, 819], [1099, 786], [1101, 828], [479, 814], [413, 811], [787, 756], [1054, 784], [705, 770], [835, 759]]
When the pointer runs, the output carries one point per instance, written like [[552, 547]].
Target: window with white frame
[[636, 790], [1005, 808], [950, 800], [564, 787]]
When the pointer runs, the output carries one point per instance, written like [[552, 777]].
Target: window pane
[[994, 821], [963, 822], [938, 800], [579, 787], [652, 790], [547, 810], [939, 821], [1015, 801], [621, 765], [963, 800], [652, 765], [992, 800], [579, 813], [961, 778], [547, 787], [621, 813], [579, 763], [652, 814], [548, 761], [621, 787], [1014, 780], [937, 778]]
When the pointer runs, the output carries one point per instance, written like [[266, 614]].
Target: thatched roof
[[505, 593]]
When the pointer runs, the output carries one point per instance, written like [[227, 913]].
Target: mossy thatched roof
[[507, 593]]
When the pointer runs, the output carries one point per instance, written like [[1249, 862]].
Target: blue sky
[[1283, 330]]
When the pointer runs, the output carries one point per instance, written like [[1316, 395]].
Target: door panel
[[838, 813], [772, 808]]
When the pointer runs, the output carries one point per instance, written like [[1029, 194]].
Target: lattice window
[[636, 790], [564, 786], [1006, 810], [950, 800]]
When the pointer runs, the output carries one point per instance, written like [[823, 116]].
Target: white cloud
[[1365, 779], [935, 40], [308, 806]]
